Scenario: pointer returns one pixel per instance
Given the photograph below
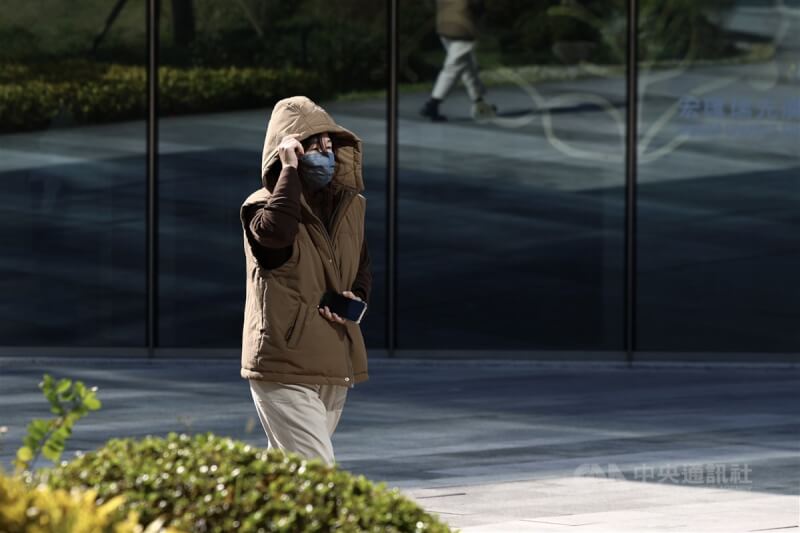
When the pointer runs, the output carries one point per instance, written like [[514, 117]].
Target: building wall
[[511, 232]]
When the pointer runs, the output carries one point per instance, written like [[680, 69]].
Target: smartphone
[[343, 306]]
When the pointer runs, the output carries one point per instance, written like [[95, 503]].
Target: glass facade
[[511, 221], [718, 189], [246, 55], [72, 161], [513, 143]]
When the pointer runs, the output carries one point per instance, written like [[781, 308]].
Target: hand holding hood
[[298, 114]]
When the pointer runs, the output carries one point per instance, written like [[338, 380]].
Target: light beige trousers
[[459, 63], [299, 417]]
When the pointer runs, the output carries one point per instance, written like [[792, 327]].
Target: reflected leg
[[470, 76], [456, 61]]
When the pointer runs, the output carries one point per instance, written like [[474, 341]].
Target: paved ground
[[499, 446]]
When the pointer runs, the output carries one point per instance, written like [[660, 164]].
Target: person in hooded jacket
[[304, 234]]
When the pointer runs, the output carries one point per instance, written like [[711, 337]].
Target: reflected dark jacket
[[458, 19]]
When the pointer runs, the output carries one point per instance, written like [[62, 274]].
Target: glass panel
[[511, 220], [719, 246], [72, 159], [225, 64]]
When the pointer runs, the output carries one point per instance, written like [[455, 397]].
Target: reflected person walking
[[457, 27]]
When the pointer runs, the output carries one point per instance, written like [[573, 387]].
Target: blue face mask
[[316, 168]]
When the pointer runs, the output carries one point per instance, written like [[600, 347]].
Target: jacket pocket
[[296, 329]]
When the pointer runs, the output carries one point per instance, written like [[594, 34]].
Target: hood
[[298, 114]]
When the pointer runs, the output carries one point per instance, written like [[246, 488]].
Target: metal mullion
[[631, 162], [151, 208], [391, 183]]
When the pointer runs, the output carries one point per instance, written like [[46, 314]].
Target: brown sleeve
[[275, 224], [362, 286]]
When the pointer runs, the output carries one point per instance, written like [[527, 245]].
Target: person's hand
[[333, 317], [289, 149], [351, 295]]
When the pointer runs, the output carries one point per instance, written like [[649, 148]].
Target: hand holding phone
[[340, 307]]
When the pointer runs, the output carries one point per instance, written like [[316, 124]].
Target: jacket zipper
[[347, 200], [329, 238]]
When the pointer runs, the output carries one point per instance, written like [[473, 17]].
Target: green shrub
[[39, 509], [215, 484], [69, 401], [79, 92]]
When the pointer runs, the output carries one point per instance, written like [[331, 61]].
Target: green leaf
[[24, 454], [51, 396], [71, 417], [30, 442], [52, 450], [62, 433], [63, 385], [38, 428], [91, 402]]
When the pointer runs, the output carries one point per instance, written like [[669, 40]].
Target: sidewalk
[[495, 447]]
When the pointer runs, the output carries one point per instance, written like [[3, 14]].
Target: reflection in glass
[[718, 196], [512, 132], [225, 64], [72, 159]]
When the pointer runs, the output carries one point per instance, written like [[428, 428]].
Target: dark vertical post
[[631, 162], [391, 183], [151, 224]]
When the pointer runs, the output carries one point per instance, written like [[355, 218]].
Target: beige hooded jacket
[[284, 338]]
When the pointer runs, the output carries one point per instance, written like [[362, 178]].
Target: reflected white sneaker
[[482, 111]]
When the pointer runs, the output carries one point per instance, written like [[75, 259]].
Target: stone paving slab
[[606, 505]]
